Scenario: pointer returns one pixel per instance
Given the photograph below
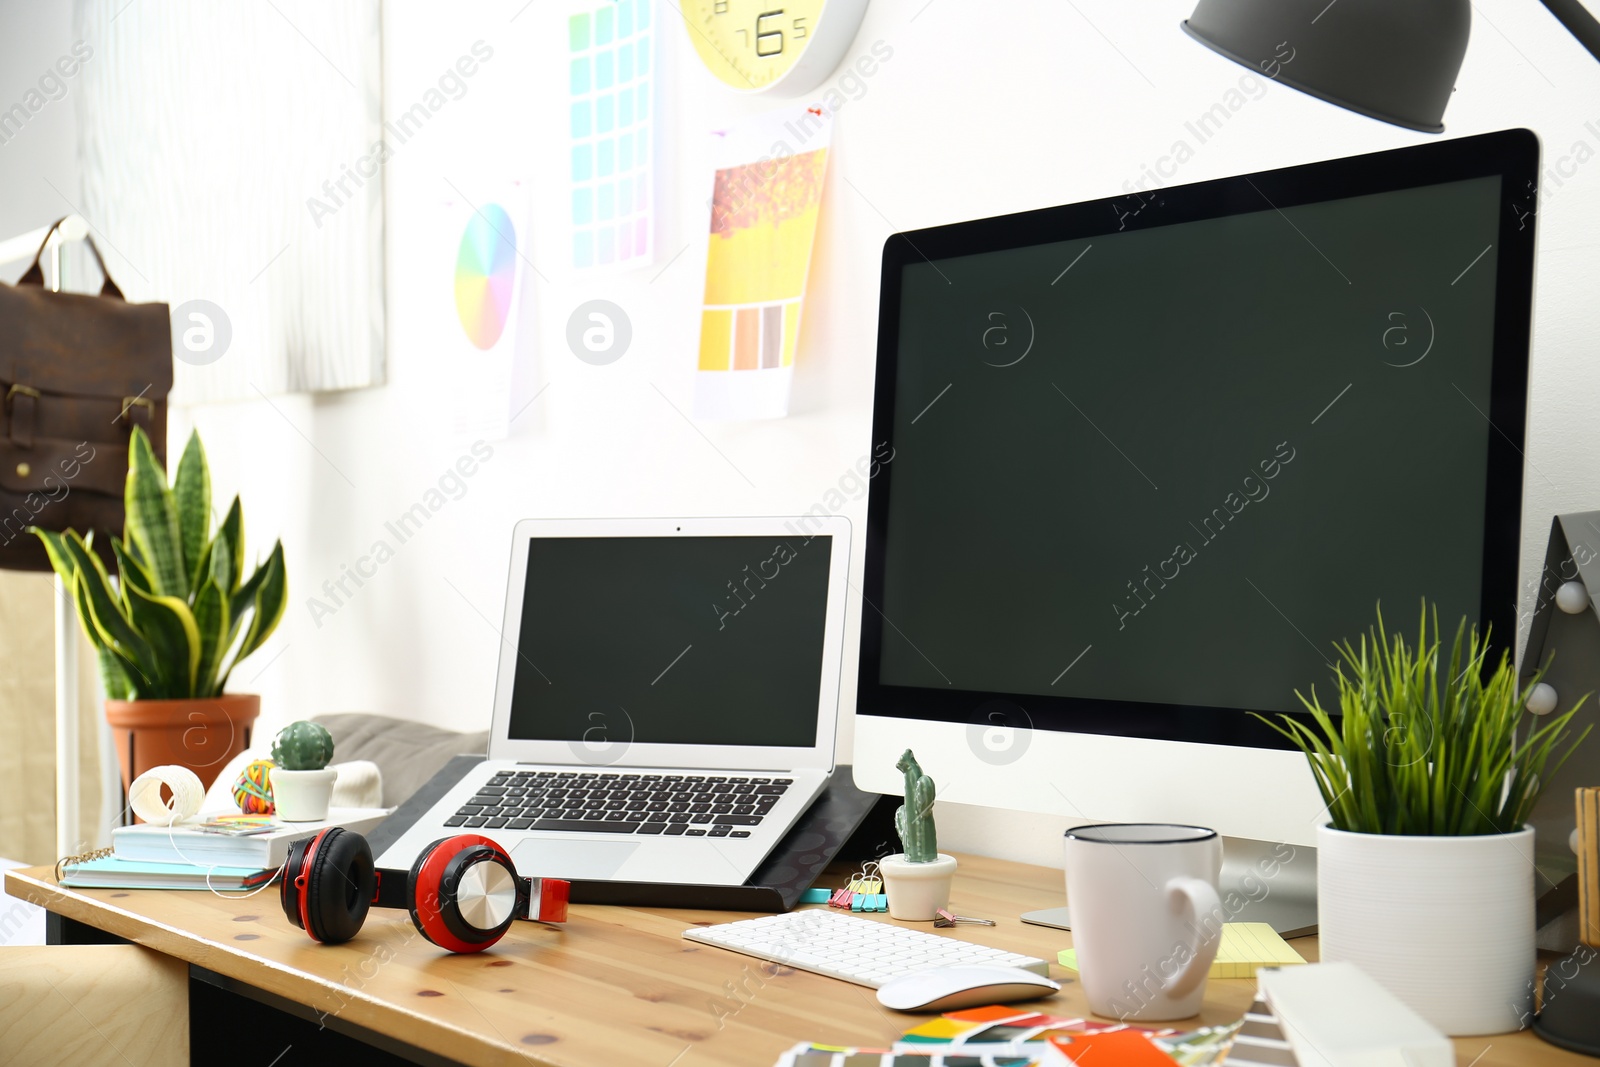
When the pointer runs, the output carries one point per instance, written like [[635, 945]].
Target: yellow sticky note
[[1245, 948]]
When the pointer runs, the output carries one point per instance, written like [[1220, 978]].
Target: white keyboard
[[856, 950]]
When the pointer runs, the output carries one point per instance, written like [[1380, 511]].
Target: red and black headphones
[[462, 892]]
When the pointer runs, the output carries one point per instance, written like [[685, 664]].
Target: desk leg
[[60, 930], [222, 1008]]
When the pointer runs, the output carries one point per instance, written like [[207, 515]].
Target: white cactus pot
[[302, 796], [917, 890]]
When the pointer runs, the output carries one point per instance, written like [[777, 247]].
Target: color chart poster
[[611, 107], [767, 192], [479, 249]]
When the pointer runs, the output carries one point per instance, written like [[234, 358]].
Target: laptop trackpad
[[588, 860]]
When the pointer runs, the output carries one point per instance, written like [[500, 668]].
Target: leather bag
[[77, 373]]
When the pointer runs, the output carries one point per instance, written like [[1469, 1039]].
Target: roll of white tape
[[144, 796]]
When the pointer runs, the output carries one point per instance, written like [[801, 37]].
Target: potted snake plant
[[1425, 875], [917, 880], [181, 615]]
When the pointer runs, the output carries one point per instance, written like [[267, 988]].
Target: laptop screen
[[672, 640]]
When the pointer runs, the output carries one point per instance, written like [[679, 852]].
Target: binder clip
[[864, 891]]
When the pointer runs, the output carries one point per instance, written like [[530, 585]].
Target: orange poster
[[766, 194]]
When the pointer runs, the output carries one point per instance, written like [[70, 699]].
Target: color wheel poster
[[478, 248], [766, 194]]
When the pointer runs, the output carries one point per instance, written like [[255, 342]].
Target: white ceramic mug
[[1146, 918]]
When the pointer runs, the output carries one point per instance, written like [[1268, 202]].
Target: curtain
[[228, 162], [28, 724]]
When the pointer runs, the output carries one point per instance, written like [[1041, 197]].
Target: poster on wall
[[766, 194], [479, 249], [612, 100]]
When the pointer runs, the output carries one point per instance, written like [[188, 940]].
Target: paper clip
[[947, 919], [841, 899]]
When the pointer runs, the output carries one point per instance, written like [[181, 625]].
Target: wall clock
[[758, 46]]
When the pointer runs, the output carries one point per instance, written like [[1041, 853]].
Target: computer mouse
[[953, 988]]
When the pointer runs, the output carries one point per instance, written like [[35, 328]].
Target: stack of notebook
[[218, 851]]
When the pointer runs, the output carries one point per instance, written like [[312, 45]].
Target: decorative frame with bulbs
[[1563, 631]]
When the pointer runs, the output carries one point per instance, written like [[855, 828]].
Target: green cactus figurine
[[913, 821], [303, 746]]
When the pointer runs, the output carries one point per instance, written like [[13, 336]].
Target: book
[[109, 872], [213, 838]]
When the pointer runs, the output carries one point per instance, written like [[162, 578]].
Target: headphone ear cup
[[423, 901], [430, 900], [289, 891], [339, 886]]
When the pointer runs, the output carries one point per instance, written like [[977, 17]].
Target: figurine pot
[[302, 796], [917, 890]]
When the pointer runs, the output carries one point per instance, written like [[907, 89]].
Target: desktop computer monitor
[[1153, 455]]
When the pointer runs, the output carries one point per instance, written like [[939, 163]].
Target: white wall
[[973, 115], [44, 151]]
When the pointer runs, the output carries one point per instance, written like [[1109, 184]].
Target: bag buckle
[[22, 416], [129, 402], [25, 390]]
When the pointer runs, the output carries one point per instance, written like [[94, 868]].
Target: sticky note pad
[[1245, 948]]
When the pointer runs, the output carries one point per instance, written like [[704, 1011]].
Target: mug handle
[[1203, 900]]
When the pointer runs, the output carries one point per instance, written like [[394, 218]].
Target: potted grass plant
[[180, 617], [1425, 875]]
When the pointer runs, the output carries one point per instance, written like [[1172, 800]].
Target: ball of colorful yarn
[[253, 790]]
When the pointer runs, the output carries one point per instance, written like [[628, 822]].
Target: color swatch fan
[[486, 275]]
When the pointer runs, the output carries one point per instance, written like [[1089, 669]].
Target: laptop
[[667, 698]]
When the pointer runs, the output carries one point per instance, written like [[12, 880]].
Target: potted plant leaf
[[302, 781], [180, 617], [1425, 874], [917, 880]]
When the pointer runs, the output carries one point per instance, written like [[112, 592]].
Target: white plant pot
[[302, 796], [1444, 923], [917, 890]]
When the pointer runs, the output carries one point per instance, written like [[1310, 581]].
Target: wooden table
[[616, 986]]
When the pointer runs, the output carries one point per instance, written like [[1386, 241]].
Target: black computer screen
[[671, 640], [1162, 468]]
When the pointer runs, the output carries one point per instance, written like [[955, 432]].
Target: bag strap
[[34, 275]]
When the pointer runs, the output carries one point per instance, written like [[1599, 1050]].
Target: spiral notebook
[[101, 870]]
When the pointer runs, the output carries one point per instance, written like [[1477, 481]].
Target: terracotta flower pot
[[202, 734]]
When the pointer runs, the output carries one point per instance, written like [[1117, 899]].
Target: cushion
[[408, 753]]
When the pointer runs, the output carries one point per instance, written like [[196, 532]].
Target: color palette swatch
[[766, 199], [1011, 1036], [612, 99], [486, 275], [475, 248]]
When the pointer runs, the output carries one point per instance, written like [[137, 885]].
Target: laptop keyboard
[[668, 805]]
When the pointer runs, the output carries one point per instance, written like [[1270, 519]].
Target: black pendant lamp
[[1394, 60]]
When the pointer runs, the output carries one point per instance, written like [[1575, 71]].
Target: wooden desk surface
[[616, 985]]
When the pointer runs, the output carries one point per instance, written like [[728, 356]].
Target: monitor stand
[[1261, 882]]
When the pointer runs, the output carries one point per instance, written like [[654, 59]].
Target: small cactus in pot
[[918, 879], [303, 746], [302, 782]]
